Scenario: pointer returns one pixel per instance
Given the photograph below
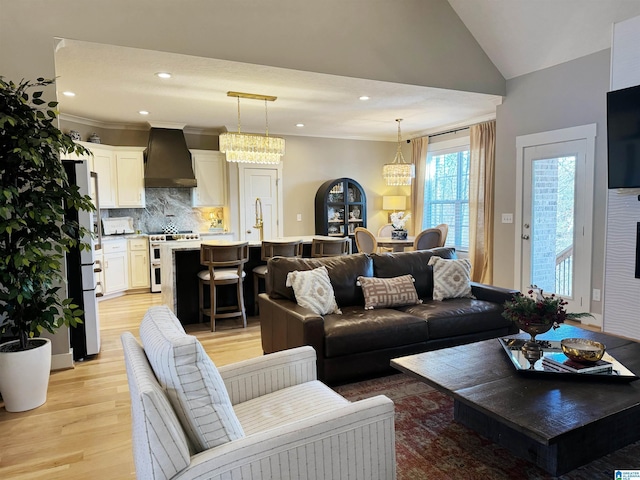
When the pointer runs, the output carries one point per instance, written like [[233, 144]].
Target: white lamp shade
[[394, 202]]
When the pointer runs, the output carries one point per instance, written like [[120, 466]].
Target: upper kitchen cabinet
[[120, 175], [210, 170], [130, 177]]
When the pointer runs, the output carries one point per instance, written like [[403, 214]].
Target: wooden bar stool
[[224, 262], [273, 248], [325, 247]]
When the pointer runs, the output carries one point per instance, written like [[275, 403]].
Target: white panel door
[[260, 183]]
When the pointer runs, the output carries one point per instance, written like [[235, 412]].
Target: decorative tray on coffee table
[[612, 369]]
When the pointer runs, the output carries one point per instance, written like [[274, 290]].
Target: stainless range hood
[[168, 160]]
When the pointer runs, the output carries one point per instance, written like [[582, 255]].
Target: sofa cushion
[[287, 405], [343, 273], [160, 447], [458, 316], [358, 330], [191, 380], [313, 290], [451, 278], [413, 263], [388, 292]]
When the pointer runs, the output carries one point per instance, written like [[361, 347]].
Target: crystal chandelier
[[252, 147], [398, 172]]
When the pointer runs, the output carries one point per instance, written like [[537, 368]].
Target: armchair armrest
[[258, 376], [491, 293], [359, 437]]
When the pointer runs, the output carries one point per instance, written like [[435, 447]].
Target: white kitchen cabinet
[[139, 269], [104, 164], [210, 170], [130, 178], [115, 266]]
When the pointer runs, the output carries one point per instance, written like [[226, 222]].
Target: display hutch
[[341, 207]]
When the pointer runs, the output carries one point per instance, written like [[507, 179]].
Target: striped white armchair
[[264, 418]]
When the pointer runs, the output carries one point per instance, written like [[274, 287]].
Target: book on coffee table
[[559, 362]]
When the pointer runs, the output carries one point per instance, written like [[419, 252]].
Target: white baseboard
[[62, 361], [595, 321]]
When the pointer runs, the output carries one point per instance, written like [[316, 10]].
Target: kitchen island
[[180, 264]]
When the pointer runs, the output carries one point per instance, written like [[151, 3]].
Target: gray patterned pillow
[[451, 278], [313, 290], [388, 292]]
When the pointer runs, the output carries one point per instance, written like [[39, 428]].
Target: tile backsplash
[[161, 203]]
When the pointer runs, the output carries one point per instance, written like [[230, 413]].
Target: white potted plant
[[398, 221], [34, 236]]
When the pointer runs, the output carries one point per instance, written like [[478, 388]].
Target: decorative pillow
[[191, 380], [451, 278], [388, 292], [313, 290]]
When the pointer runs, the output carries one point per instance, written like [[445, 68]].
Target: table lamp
[[394, 202]]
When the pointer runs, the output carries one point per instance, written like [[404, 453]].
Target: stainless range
[[156, 240]]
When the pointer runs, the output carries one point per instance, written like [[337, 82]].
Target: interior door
[[260, 183], [553, 218]]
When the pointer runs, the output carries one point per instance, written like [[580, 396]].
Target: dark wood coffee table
[[558, 423]]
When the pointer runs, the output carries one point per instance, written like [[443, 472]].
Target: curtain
[[481, 191], [419, 159]]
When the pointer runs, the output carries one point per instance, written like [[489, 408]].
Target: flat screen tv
[[623, 134]]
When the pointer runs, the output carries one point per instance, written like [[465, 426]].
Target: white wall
[[622, 289]]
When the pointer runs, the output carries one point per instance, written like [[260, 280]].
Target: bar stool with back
[[330, 247], [225, 266], [273, 248]]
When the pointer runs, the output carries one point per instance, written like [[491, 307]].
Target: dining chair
[[428, 238], [325, 247], [385, 231], [365, 240], [269, 249], [444, 230], [225, 266]]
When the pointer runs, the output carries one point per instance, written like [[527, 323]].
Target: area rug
[[431, 445]]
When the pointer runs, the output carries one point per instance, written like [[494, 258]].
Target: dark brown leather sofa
[[360, 343]]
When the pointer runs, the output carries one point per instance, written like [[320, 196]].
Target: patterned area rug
[[431, 445]]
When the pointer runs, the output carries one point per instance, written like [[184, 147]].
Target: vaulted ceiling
[[112, 83]]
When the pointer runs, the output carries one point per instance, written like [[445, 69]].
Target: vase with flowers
[[536, 313], [398, 221]]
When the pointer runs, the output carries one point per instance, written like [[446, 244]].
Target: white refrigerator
[[80, 265]]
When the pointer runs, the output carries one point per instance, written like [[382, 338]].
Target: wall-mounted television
[[623, 137]]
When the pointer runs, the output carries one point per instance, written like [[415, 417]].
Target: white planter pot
[[24, 377]]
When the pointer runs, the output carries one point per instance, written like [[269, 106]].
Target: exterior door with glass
[[555, 220]]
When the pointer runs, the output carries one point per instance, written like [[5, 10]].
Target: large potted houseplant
[[34, 236]]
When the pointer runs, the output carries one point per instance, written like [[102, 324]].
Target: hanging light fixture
[[252, 147], [398, 172]]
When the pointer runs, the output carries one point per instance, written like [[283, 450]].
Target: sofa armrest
[[284, 324], [259, 376], [359, 437], [491, 293]]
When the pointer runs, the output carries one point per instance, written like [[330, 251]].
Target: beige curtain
[[419, 159], [481, 191]]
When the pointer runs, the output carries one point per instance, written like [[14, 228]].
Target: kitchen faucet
[[259, 223]]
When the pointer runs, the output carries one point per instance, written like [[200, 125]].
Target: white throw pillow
[[313, 290], [451, 278], [191, 380]]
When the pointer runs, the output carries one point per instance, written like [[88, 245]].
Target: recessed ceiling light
[[163, 74], [69, 94], [364, 97], [143, 112], [299, 125]]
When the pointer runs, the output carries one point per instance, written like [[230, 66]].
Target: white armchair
[[267, 418]]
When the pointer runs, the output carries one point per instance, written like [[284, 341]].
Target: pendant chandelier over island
[[252, 147]]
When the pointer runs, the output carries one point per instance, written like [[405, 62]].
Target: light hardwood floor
[[83, 431]]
